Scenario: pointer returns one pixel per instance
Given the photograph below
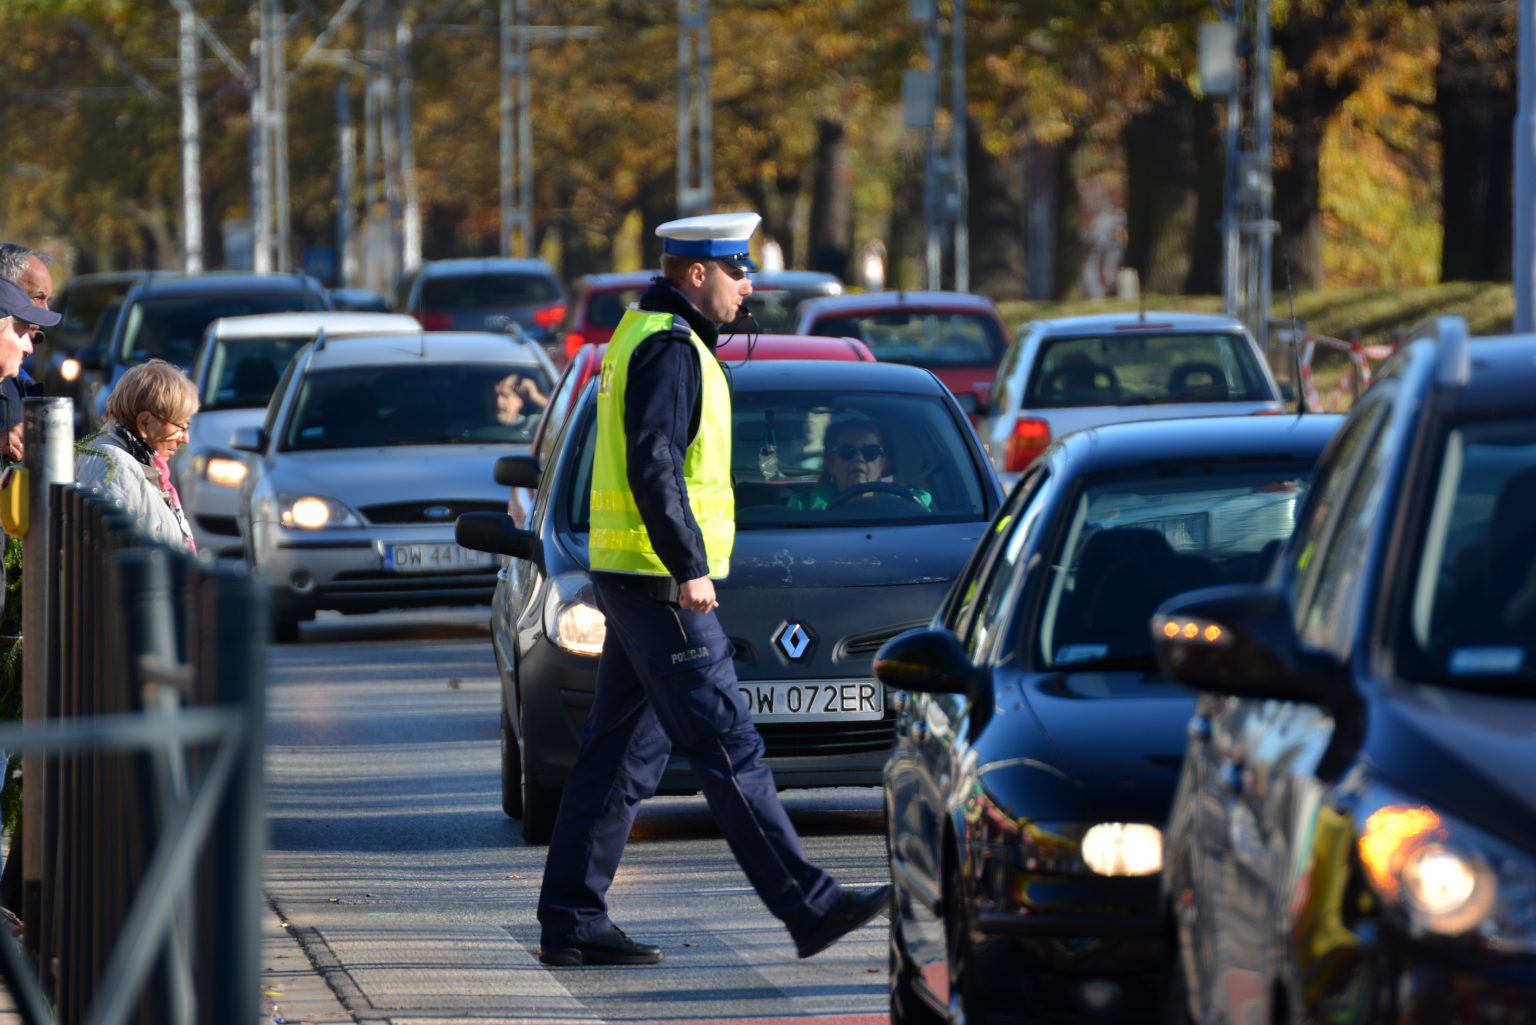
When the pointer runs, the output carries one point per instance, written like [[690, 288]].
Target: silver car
[[371, 448], [236, 369], [1071, 373]]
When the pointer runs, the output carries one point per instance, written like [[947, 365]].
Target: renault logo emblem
[[794, 640]]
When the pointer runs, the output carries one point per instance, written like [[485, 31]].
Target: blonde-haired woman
[[128, 459]]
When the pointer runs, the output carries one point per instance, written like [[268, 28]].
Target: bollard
[[48, 437]]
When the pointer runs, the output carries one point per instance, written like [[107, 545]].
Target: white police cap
[[721, 237]]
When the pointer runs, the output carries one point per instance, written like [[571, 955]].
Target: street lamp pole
[[695, 129], [961, 185], [191, 148], [1524, 205]]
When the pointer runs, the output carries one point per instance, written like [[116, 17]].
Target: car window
[[1329, 490], [1134, 540], [84, 305], [960, 604], [1326, 614], [1473, 613], [606, 309], [922, 338], [1126, 368], [416, 404], [777, 463], [477, 290], [269, 423], [814, 459], [1000, 589], [242, 373], [558, 409], [170, 328], [1003, 397]]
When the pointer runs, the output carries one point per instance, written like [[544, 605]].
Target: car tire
[[285, 630], [957, 936], [540, 802], [907, 1007], [511, 770]]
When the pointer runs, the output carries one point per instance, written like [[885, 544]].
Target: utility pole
[[1524, 204], [191, 147], [695, 106], [945, 185], [410, 228], [516, 169], [346, 185], [1239, 60], [960, 189], [277, 112]]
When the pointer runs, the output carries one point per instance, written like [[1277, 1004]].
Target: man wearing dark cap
[[28, 268], [663, 524], [19, 321]]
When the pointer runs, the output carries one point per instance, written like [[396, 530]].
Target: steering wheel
[[877, 487]]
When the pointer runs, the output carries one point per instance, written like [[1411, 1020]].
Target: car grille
[[226, 526], [416, 512], [865, 645], [792, 739]]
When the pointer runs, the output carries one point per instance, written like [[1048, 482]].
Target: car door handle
[[1199, 728]]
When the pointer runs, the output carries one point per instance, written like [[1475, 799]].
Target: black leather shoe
[[851, 911], [610, 946]]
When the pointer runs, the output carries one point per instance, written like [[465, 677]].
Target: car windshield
[[170, 329], [775, 308], [1135, 541], [924, 338], [474, 291], [1123, 369], [416, 404], [606, 309], [242, 372], [86, 304], [805, 459], [1473, 614]]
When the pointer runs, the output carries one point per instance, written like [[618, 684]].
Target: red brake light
[[435, 320], [573, 343], [550, 316], [1029, 438]]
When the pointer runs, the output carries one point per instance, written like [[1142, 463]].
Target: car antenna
[[320, 340], [1290, 297]]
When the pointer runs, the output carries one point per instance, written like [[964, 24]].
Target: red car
[[958, 336], [598, 302], [588, 359]]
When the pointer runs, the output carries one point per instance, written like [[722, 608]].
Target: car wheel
[[540, 803], [907, 1007], [963, 1005], [511, 771]]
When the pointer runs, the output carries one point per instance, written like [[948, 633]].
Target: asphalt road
[[414, 897]]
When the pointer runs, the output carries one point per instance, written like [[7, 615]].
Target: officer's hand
[[697, 595], [12, 444]]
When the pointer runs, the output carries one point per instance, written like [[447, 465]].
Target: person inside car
[[855, 461], [518, 400]]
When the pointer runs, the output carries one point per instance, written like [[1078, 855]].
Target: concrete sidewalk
[[292, 991]]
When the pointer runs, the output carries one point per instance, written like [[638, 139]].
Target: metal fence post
[[48, 437]]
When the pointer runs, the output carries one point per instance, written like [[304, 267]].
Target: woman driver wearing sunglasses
[[854, 459]]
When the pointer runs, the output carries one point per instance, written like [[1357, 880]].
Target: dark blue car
[[1037, 746]]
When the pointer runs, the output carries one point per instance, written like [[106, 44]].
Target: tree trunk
[[831, 201], [1162, 196], [995, 216], [1476, 105], [904, 248], [1042, 219], [1297, 178]]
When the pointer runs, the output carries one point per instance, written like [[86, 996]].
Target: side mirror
[[1240, 640], [496, 533], [248, 439], [926, 661], [519, 471]]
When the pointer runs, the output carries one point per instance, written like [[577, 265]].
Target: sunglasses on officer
[[870, 452]]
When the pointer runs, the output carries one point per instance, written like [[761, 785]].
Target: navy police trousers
[[665, 680]]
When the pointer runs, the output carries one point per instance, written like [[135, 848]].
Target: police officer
[[663, 522]]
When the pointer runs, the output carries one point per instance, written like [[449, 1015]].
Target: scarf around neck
[[149, 457]]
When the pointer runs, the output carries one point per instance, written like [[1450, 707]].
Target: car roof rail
[[320, 339], [1455, 359]]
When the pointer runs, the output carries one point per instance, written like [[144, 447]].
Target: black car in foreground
[[811, 594], [1037, 746], [1354, 837]]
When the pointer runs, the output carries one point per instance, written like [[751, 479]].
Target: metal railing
[[143, 779]]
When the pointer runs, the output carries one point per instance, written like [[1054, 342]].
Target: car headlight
[[1029, 866], [226, 471], [311, 512], [1123, 849], [69, 369], [571, 617], [1444, 876]]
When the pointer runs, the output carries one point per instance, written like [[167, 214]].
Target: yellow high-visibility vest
[[619, 541]]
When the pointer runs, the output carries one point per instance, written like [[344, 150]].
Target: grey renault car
[[370, 448], [812, 592]]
